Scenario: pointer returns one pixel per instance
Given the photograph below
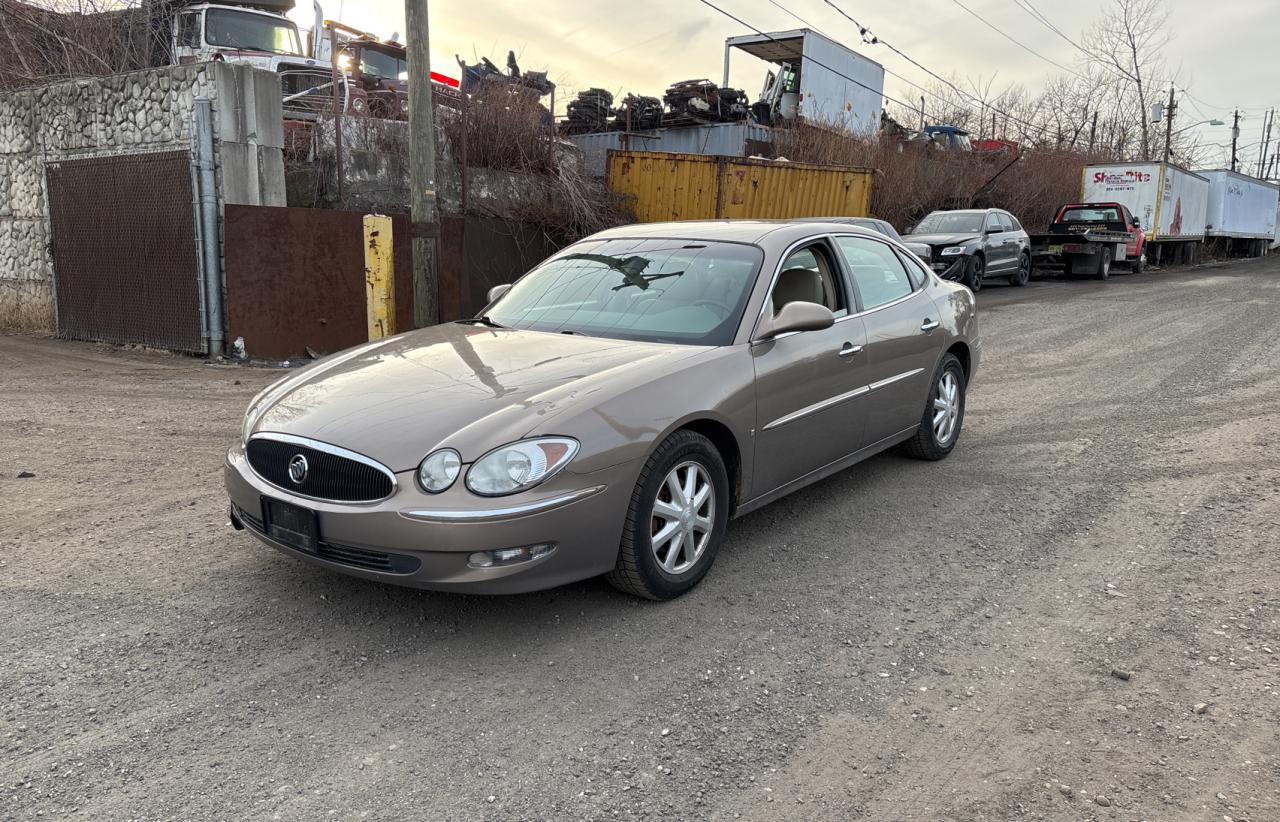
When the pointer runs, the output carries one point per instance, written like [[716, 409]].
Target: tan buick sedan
[[611, 411]]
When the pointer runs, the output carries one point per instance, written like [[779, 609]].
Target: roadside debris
[[1119, 674], [1200, 708], [26, 475]]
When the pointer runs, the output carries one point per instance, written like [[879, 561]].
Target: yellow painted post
[[379, 276]]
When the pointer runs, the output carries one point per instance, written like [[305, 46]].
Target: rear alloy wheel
[[1103, 271], [974, 271], [943, 414], [1023, 275], [676, 520]]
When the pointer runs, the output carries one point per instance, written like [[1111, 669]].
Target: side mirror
[[498, 291], [796, 316]]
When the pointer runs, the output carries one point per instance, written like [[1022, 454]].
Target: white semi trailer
[[1241, 211], [817, 81]]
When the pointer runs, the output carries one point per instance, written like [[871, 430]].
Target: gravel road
[[905, 641]]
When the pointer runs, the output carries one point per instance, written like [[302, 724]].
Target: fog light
[[509, 556]]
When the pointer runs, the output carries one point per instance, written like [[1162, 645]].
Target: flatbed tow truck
[[1087, 238]]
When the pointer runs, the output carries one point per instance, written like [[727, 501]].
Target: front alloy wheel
[[973, 276], [683, 518], [676, 520]]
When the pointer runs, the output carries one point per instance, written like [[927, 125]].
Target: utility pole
[[1168, 126], [1093, 130], [422, 166], [922, 112], [1235, 138], [1266, 141]]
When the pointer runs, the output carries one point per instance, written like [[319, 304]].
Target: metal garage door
[[125, 260]]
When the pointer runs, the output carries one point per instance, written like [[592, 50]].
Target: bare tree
[[52, 41], [1129, 40]]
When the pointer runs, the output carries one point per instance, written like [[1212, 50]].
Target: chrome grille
[[329, 474]]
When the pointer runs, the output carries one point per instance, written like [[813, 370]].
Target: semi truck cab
[[259, 34]]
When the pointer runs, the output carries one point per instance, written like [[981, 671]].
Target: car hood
[[468, 387], [941, 239]]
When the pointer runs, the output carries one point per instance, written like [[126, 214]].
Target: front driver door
[[809, 385], [902, 325]]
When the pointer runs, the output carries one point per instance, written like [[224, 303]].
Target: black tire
[[1103, 271], [973, 272], [1023, 275], [1139, 264], [1068, 266], [638, 570], [926, 444]]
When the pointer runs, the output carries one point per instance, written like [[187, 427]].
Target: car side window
[[808, 275], [878, 273], [1014, 225], [993, 221], [915, 269]]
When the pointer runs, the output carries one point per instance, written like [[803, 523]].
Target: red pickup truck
[[1086, 238]]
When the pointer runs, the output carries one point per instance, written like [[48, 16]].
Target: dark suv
[[973, 244]]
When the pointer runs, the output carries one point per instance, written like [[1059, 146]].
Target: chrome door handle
[[850, 349], [929, 325]]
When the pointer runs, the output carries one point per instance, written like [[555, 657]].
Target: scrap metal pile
[[690, 102]]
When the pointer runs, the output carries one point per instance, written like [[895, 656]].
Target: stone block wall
[[133, 113]]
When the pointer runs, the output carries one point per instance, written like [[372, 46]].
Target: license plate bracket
[[291, 525]]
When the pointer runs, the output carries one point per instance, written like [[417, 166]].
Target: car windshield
[[951, 222], [250, 31], [656, 290], [1105, 214]]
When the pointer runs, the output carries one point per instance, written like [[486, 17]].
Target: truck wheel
[[974, 271], [1139, 263], [1103, 270], [1023, 274]]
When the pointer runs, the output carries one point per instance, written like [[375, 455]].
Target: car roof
[[734, 231]]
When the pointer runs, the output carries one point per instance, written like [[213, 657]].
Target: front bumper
[[950, 268], [424, 541]]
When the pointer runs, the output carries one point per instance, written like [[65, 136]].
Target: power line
[[813, 60], [1017, 42], [1027, 6], [871, 38]]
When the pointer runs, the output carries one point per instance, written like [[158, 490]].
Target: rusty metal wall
[[671, 186], [295, 276], [124, 250]]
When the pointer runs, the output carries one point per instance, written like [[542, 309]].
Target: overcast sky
[[1225, 50]]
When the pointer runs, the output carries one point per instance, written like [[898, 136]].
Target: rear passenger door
[[903, 342], [999, 254]]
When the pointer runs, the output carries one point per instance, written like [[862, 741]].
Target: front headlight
[[439, 470], [519, 466], [953, 251]]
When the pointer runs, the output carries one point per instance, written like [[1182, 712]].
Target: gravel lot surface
[[905, 641]]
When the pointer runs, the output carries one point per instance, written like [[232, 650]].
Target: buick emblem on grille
[[298, 469]]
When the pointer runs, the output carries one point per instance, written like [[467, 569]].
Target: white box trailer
[[819, 81], [1241, 207], [1170, 203]]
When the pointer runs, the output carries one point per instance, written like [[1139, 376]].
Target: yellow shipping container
[[671, 186]]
